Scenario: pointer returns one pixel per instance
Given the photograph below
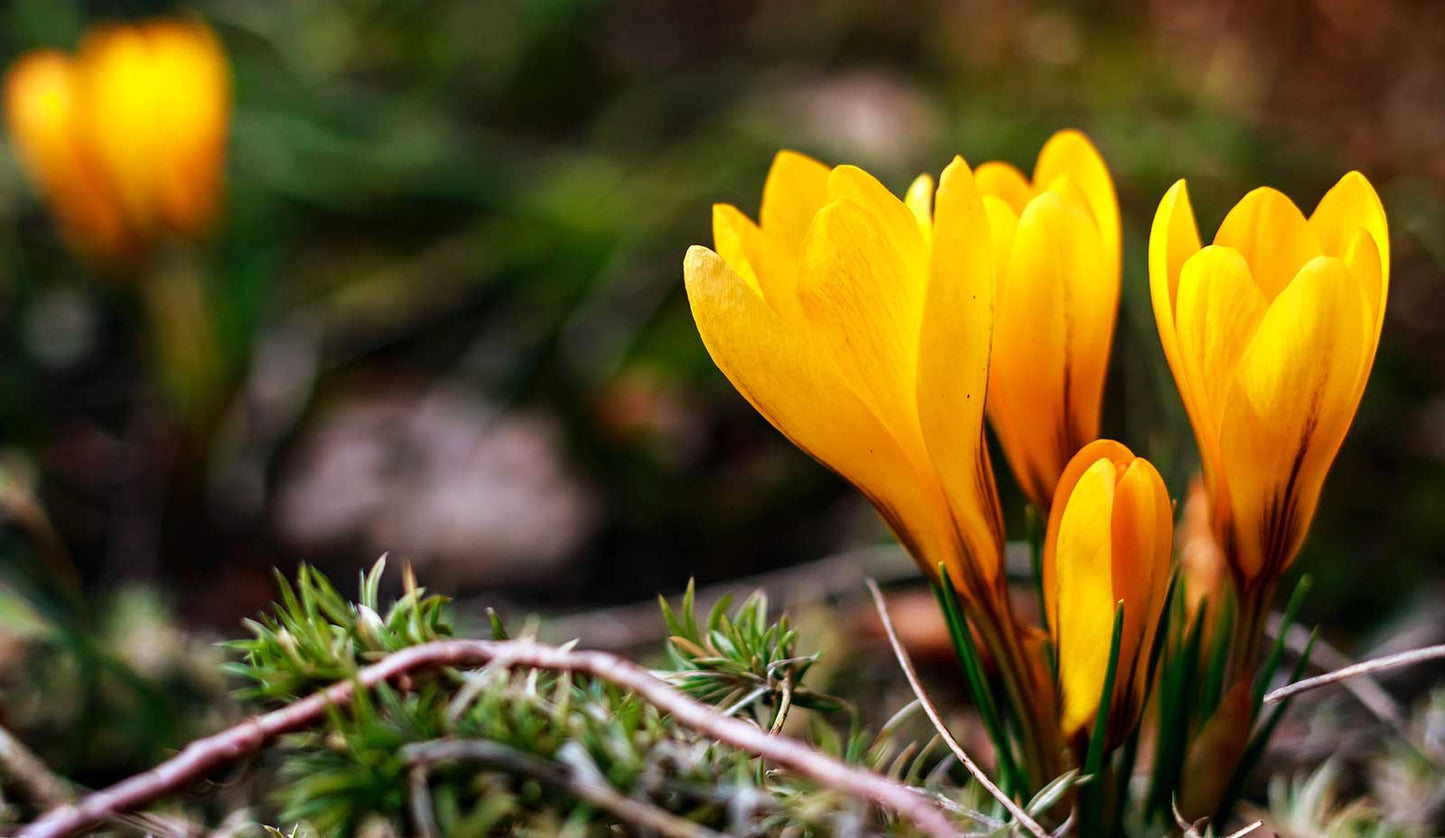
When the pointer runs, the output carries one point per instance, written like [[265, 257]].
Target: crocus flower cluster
[[878, 332]]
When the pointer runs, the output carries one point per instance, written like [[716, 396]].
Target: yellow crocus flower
[[858, 324], [1109, 539], [126, 138], [1056, 242], [1270, 333]]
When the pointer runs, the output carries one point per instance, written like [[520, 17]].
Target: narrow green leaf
[[1091, 801], [1035, 526], [958, 630], [1176, 689], [1218, 659], [1276, 652], [499, 631]]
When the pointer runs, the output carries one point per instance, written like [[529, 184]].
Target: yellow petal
[[919, 199], [1008, 184], [1272, 235], [192, 111], [1143, 530], [863, 304], [1099, 449], [1294, 396], [1364, 263], [1054, 324], [1351, 205], [1350, 223], [895, 221], [953, 364], [1172, 240], [1069, 153], [43, 114], [802, 395], [796, 188], [1086, 594], [120, 88], [1002, 223], [1219, 307], [759, 260]]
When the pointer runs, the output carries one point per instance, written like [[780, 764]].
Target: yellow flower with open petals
[[1270, 333], [1056, 242], [1110, 534], [858, 324], [127, 138]]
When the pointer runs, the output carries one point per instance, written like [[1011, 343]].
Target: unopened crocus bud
[[1109, 541]]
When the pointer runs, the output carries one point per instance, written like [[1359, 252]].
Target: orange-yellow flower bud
[[1056, 242], [1109, 540], [127, 138], [1270, 333]]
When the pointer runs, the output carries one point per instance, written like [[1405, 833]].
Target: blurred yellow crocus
[[858, 324], [1056, 242], [126, 138], [1270, 333], [1109, 540]]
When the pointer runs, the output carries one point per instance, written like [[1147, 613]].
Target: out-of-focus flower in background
[[126, 139], [1202, 570], [1056, 242], [1109, 540]]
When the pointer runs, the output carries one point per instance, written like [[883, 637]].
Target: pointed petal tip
[[1070, 136], [698, 257], [1269, 193], [956, 172]]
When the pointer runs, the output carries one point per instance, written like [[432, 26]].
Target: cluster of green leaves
[[532, 750], [1190, 693], [739, 659], [1404, 784], [316, 637]]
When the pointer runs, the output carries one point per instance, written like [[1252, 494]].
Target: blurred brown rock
[[469, 494]]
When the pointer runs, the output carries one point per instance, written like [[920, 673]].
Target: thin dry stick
[[649, 818], [932, 712], [22, 767], [1365, 690], [422, 813], [203, 756], [1409, 658]]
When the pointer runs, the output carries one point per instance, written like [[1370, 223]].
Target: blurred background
[[441, 312]]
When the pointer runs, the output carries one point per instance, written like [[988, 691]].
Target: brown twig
[[23, 768], [906, 664], [646, 817], [206, 755], [1409, 658]]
